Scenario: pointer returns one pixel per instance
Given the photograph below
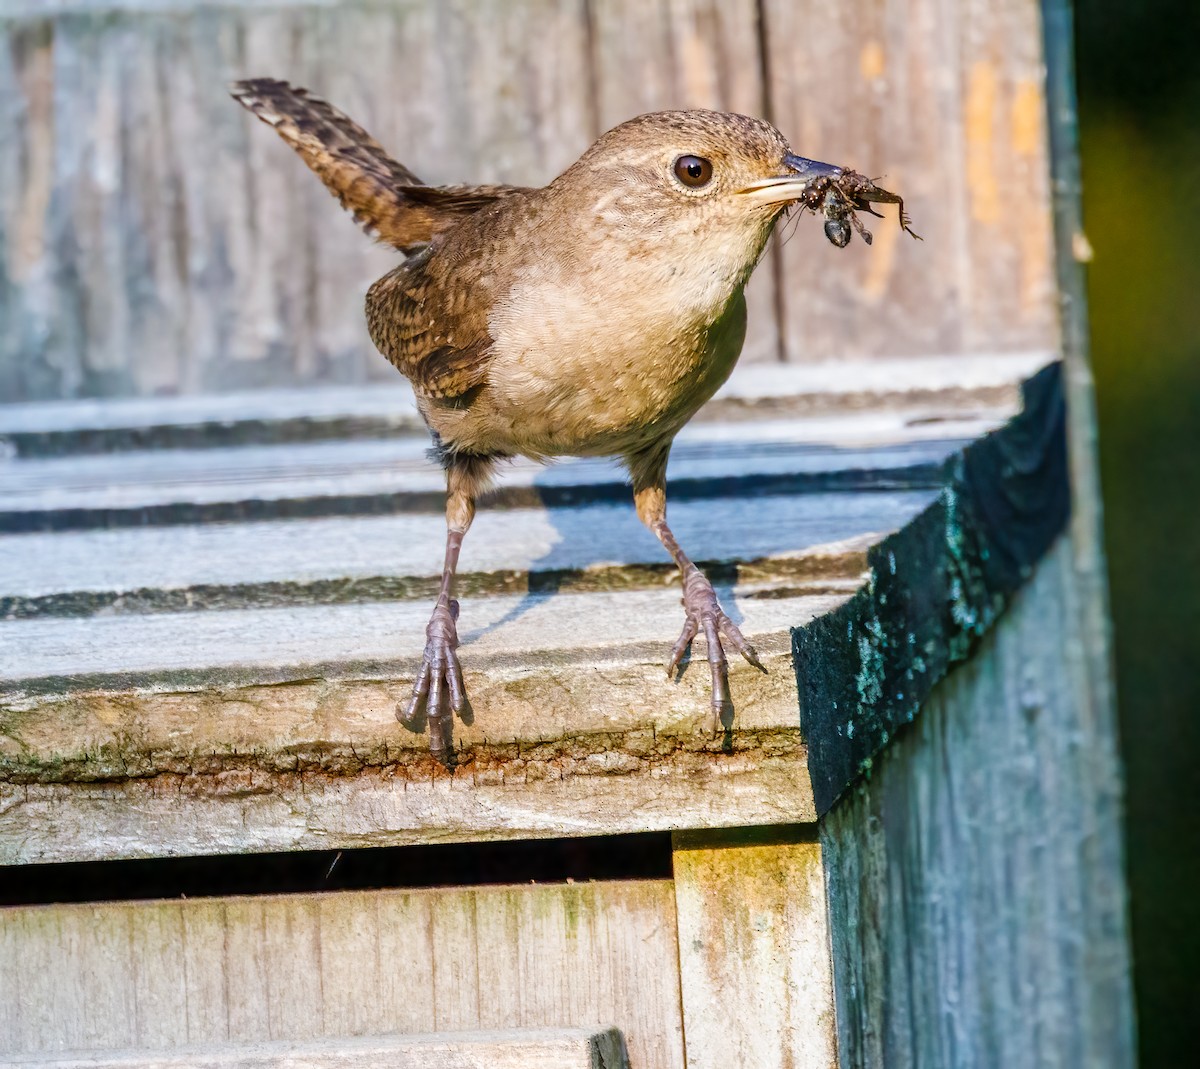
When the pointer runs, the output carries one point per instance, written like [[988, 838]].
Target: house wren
[[591, 317]]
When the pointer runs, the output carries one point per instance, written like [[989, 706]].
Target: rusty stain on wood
[[979, 121]]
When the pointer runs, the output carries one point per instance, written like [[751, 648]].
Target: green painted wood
[[976, 888]]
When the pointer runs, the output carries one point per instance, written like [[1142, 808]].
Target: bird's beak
[[792, 185]]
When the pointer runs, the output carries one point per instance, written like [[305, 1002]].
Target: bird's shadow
[[580, 542]]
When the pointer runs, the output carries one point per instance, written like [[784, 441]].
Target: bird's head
[[690, 183]]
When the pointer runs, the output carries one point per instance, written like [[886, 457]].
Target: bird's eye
[[693, 171]]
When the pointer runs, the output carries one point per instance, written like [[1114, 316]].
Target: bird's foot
[[438, 686], [705, 616]]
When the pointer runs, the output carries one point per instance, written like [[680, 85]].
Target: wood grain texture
[[211, 728], [975, 879], [919, 387], [944, 99], [589, 548], [154, 241], [219, 971], [604, 786], [757, 987], [687, 54], [157, 242], [1087, 529], [560, 1048], [348, 478]]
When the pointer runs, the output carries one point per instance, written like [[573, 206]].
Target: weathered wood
[[688, 54], [574, 736], [975, 889], [936, 587], [604, 785], [245, 727], [339, 478], [562, 1048], [946, 100], [161, 244], [976, 881], [913, 389], [816, 541], [269, 646], [754, 953], [156, 242], [247, 970], [1087, 532]]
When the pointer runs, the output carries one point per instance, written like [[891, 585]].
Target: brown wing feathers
[[387, 199]]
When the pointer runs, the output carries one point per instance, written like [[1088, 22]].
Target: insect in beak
[[837, 193]]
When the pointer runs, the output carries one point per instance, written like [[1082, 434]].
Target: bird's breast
[[578, 372]]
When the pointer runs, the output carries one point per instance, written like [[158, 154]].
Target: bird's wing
[[440, 361], [387, 199]]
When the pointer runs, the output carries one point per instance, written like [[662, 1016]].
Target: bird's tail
[[386, 198]]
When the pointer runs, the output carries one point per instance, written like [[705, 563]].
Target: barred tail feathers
[[353, 166]]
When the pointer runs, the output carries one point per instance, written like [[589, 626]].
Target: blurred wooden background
[[155, 240]]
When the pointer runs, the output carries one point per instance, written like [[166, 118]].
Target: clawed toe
[[705, 616], [439, 677]]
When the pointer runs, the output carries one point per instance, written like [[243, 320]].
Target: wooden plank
[[608, 785], [754, 964], [687, 54], [818, 540], [564, 1048], [568, 747], [205, 1016], [276, 645], [946, 100], [209, 260], [585, 953], [455, 981], [865, 671], [397, 475], [979, 867], [945, 386], [278, 723], [174, 246], [1090, 597]]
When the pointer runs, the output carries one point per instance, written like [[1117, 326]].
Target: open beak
[[791, 186]]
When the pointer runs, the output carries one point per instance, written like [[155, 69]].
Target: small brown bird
[[591, 317]]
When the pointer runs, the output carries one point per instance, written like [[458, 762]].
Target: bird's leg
[[703, 613], [440, 673]]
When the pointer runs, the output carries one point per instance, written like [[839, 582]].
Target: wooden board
[[560, 1048], [157, 240], [754, 952], [247, 970], [945, 101], [976, 878], [978, 910], [689, 54], [913, 390], [937, 586], [817, 539]]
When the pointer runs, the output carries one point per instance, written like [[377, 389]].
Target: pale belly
[[604, 395]]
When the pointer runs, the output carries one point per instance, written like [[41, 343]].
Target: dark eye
[[693, 171]]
